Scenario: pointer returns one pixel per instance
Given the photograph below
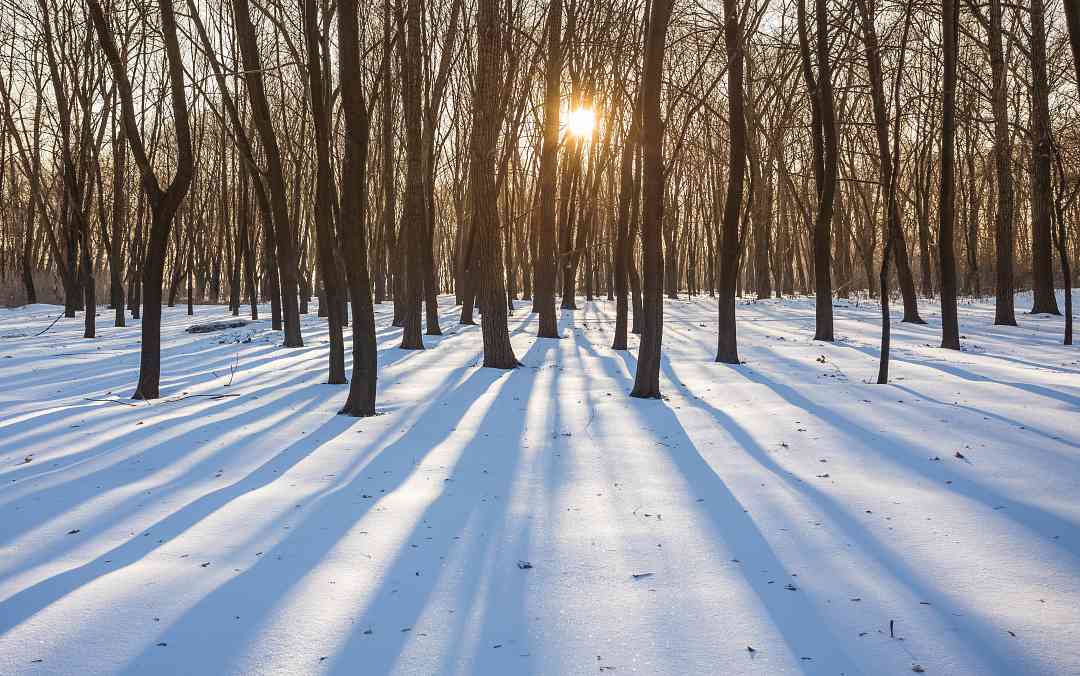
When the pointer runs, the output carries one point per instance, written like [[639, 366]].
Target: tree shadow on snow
[[260, 591]]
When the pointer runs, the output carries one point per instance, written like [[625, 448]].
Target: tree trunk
[[1042, 200], [1072, 19], [950, 29], [163, 204], [727, 349], [825, 143], [280, 229], [893, 227], [324, 237], [498, 352], [544, 263], [647, 376], [354, 205], [622, 231], [414, 219], [1004, 312]]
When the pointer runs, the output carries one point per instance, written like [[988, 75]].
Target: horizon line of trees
[[249, 151]]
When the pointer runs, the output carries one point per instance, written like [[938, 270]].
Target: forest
[[559, 336]]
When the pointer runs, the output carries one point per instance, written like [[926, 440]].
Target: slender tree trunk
[[118, 228], [1004, 312], [190, 270], [324, 236], [636, 303], [622, 232], [1042, 200], [950, 30], [27, 258], [727, 349], [544, 263], [972, 284], [1072, 20], [890, 187], [414, 219], [893, 227], [823, 121], [137, 259], [280, 229]]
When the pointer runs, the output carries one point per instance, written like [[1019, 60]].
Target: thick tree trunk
[[354, 205], [647, 376], [498, 352], [163, 204]]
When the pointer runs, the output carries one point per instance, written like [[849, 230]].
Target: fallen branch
[[49, 326], [189, 396]]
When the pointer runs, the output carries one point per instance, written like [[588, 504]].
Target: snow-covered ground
[[783, 516]]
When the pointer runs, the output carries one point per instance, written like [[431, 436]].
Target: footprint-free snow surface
[[783, 516]]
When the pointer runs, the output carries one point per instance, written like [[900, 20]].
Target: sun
[[581, 122]]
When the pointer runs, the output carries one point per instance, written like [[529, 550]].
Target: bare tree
[[647, 376], [163, 203], [950, 30]]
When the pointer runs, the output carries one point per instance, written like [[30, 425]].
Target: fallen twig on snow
[[111, 401], [49, 326], [212, 397]]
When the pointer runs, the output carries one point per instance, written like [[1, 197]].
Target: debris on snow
[[210, 327]]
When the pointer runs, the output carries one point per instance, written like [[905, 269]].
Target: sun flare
[[581, 122]]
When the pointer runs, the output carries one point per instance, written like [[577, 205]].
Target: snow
[[770, 518]]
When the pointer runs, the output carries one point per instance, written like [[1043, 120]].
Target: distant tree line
[[272, 151]]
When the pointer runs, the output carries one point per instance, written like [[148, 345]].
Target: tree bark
[[280, 229], [950, 30], [544, 294], [163, 203], [1042, 200], [622, 231], [414, 218], [727, 349], [1004, 311], [324, 236], [823, 122], [498, 352], [647, 376], [354, 206]]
